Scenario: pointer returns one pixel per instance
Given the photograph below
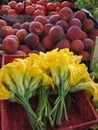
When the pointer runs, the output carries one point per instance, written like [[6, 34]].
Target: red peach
[[74, 32], [56, 33], [6, 30], [32, 40], [66, 13], [88, 44], [21, 34], [10, 45], [36, 27], [80, 14], [46, 28], [77, 46], [88, 25], [2, 23], [48, 43], [75, 22], [63, 43]]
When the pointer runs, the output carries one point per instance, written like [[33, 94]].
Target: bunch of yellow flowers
[[58, 72]]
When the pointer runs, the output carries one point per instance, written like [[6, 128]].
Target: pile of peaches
[[42, 26]]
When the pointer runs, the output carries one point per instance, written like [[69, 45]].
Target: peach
[[38, 12], [46, 28], [36, 27], [25, 26], [50, 6], [10, 45], [75, 22], [6, 30], [93, 34], [2, 23], [74, 32], [77, 46], [20, 53], [42, 19], [13, 36], [85, 55], [63, 43], [54, 18], [88, 44], [67, 4], [80, 14], [66, 14], [24, 48], [32, 40], [48, 43], [11, 12], [19, 8], [63, 24], [16, 25], [12, 4], [21, 34], [83, 35], [56, 33], [88, 25], [29, 10]]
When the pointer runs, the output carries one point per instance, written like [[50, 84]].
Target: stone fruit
[[32, 40], [56, 33], [10, 45], [74, 32], [77, 46]]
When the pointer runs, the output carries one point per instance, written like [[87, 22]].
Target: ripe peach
[[16, 25], [21, 34], [36, 27], [11, 12], [50, 6], [20, 53], [54, 18], [85, 55], [63, 24], [41, 8], [4, 9], [46, 28], [42, 19], [56, 33], [88, 25], [88, 44], [6, 30], [29, 10], [66, 13], [67, 4], [10, 45], [38, 12], [13, 36], [15, 31], [93, 34], [74, 32], [80, 14], [32, 40], [2, 23], [83, 35], [48, 43], [63, 43], [25, 26], [12, 4], [75, 22], [24, 48], [77, 46], [19, 8]]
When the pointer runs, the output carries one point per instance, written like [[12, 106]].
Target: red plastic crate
[[81, 114]]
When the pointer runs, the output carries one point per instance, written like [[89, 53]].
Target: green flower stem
[[44, 108], [33, 119]]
